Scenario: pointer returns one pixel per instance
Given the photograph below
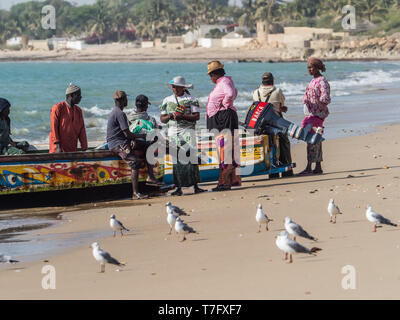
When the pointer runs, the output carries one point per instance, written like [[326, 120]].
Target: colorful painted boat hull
[[50, 172]]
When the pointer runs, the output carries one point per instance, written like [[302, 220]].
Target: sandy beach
[[228, 259]]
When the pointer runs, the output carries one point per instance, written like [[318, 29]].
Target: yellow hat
[[214, 65]]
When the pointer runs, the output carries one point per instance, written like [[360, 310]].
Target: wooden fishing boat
[[41, 171]]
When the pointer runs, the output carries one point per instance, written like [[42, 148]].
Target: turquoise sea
[[363, 93]]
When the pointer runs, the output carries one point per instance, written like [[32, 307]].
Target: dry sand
[[229, 259]]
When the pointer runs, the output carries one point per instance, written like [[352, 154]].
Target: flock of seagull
[[283, 241]]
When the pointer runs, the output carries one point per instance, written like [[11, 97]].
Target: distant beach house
[[192, 36], [16, 41]]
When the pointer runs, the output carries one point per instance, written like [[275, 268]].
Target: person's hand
[[178, 116], [58, 148], [284, 109]]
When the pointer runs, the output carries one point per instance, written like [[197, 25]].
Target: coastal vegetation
[[126, 20]]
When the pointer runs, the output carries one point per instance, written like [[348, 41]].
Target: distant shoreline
[[188, 55]]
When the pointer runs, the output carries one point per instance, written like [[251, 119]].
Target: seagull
[[290, 246], [116, 225], [171, 218], [262, 218], [181, 227], [376, 218], [7, 259], [103, 257], [175, 210], [296, 230], [333, 210]]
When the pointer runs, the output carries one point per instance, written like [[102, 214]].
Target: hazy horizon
[[7, 4]]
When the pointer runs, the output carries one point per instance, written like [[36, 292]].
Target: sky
[[7, 4]]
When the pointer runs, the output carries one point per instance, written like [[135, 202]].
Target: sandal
[[316, 172], [177, 193], [154, 183], [222, 187], [139, 196], [199, 190], [305, 173]]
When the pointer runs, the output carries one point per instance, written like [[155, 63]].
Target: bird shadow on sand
[[202, 239]]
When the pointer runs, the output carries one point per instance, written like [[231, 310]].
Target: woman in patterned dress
[[315, 100], [180, 112]]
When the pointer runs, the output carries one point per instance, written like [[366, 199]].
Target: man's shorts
[[126, 153]]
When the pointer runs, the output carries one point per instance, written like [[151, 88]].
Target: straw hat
[[214, 65], [179, 82]]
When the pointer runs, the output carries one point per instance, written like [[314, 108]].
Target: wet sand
[[228, 259]]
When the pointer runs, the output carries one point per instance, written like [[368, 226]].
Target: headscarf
[[4, 103], [317, 63], [71, 89]]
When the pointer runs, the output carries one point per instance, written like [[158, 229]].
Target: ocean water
[[364, 94]]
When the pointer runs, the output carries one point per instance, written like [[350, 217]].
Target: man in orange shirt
[[67, 125]]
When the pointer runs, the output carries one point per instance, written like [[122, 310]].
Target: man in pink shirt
[[222, 115]]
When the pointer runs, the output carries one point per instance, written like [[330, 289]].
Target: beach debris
[[307, 293], [314, 191], [376, 218], [350, 176], [46, 261], [386, 167], [375, 156], [264, 196], [153, 274], [7, 259], [296, 230], [262, 218], [290, 247], [104, 257], [117, 225], [181, 227], [333, 210]]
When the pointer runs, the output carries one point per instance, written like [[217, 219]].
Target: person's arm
[[54, 126], [190, 117], [325, 89], [230, 94], [164, 118], [82, 134]]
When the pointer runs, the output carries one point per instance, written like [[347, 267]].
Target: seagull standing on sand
[[7, 259], [116, 225], [181, 227], [262, 218], [333, 210], [290, 246], [171, 218], [296, 230], [175, 210], [376, 218], [103, 257]]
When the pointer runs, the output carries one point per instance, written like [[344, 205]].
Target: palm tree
[[370, 8], [101, 22]]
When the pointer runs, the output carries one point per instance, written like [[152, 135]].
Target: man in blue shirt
[[124, 143]]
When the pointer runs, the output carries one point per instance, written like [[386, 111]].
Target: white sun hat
[[179, 82]]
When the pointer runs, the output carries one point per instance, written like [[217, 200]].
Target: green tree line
[[158, 18]]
